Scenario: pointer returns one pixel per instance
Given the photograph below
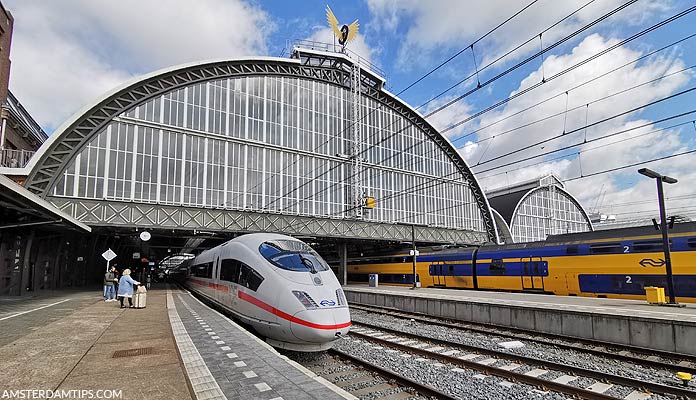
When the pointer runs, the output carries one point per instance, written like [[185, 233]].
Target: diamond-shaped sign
[[109, 255]]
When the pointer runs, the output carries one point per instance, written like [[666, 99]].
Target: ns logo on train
[[327, 303], [649, 262]]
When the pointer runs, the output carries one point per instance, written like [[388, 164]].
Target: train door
[[438, 271], [533, 272]]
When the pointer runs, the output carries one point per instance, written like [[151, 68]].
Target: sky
[[573, 113]]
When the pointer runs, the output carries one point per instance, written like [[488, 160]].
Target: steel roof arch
[[63, 145]]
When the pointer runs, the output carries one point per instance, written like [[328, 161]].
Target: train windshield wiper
[[308, 263]]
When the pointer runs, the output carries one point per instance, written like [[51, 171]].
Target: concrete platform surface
[[226, 361], [70, 346], [623, 322], [176, 348]]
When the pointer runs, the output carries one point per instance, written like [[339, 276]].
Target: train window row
[[497, 267], [385, 278], [382, 260], [642, 246], [235, 271]]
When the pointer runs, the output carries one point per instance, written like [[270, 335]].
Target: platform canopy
[[262, 144], [20, 208]]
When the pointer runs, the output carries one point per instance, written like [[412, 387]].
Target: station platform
[[622, 322], [175, 348]]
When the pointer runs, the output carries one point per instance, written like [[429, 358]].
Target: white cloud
[[65, 54], [452, 24], [621, 186]]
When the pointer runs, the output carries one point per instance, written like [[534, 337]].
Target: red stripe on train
[[213, 285], [258, 303]]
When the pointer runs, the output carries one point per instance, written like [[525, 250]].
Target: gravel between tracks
[[530, 349], [463, 384]]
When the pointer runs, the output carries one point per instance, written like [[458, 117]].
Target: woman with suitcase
[[125, 288]]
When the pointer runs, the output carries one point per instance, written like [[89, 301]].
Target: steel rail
[[511, 375], [600, 376], [421, 388], [462, 325]]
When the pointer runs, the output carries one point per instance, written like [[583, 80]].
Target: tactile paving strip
[[204, 385]]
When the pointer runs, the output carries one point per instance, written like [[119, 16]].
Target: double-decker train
[[613, 263], [277, 284]]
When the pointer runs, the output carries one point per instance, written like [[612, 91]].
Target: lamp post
[[663, 226], [414, 253]]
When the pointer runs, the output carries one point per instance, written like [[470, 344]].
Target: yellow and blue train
[[616, 263]]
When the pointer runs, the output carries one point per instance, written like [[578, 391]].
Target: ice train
[[277, 284]]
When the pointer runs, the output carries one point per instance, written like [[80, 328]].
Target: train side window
[[204, 270], [649, 246], [606, 248], [244, 276], [254, 279], [691, 243], [497, 267], [572, 249], [230, 270]]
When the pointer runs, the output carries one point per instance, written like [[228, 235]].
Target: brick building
[[20, 135]]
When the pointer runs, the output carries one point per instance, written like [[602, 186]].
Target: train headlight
[[305, 300], [341, 297]]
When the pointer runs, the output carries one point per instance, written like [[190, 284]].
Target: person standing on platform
[[116, 276], [109, 281], [125, 288]]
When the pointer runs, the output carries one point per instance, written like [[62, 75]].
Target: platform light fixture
[[663, 227]]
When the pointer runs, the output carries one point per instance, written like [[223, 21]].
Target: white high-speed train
[[277, 284]]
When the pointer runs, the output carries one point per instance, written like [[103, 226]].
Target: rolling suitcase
[[140, 298]]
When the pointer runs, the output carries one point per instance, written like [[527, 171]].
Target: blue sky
[[65, 54]]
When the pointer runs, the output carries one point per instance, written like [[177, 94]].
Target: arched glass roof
[[261, 144]]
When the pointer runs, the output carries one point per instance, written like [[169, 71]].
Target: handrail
[[12, 158], [336, 48]]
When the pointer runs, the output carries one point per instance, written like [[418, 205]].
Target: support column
[[343, 266], [26, 263]]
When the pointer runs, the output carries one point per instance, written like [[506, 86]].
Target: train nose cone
[[322, 325]]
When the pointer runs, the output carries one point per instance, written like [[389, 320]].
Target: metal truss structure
[[125, 214], [325, 67]]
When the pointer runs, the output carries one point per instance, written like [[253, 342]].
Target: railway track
[[506, 365], [365, 379], [645, 357]]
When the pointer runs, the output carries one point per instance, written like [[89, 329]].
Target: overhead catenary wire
[[501, 57], [564, 156], [601, 121], [630, 165], [565, 71], [442, 64], [589, 141], [587, 104], [531, 58], [566, 91]]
